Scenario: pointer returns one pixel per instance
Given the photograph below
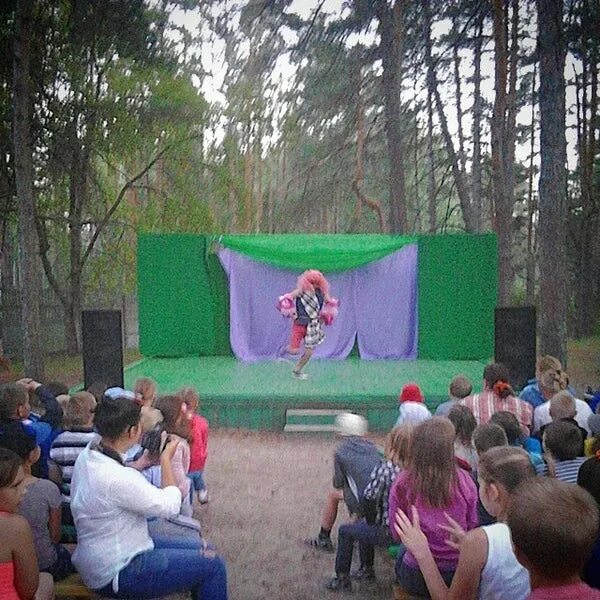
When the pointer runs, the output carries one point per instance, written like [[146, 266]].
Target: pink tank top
[[7, 578]]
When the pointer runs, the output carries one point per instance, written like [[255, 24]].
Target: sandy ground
[[266, 496]]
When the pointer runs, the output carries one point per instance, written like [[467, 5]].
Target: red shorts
[[298, 333]]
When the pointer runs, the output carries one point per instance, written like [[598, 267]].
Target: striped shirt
[[566, 470], [64, 452], [487, 403], [379, 487]]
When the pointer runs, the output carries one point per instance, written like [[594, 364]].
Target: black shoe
[[340, 583], [363, 573], [323, 544]]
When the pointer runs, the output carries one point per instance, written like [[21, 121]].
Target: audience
[[434, 484], [198, 444], [20, 578], [594, 425], [532, 393], [412, 408], [563, 406], [371, 532], [498, 395], [488, 436], [353, 463], [115, 555], [515, 437], [145, 390], [487, 566], [464, 425], [563, 451], [460, 387], [554, 526], [589, 479]]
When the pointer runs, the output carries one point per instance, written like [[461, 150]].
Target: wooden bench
[[72, 587]]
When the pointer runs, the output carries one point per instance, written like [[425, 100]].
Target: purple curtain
[[377, 301]]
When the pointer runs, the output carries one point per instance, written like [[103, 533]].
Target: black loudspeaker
[[515, 342], [102, 348]]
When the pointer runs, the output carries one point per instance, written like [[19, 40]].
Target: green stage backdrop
[[184, 301]]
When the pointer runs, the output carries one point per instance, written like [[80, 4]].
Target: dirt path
[[266, 494]]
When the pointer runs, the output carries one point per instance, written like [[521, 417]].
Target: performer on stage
[[310, 305]]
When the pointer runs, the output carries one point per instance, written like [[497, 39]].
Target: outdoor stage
[[257, 395]]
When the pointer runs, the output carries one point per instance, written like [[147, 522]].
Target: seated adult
[[567, 406], [532, 392], [498, 395], [111, 503]]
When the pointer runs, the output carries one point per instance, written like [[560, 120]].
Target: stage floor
[[256, 395]]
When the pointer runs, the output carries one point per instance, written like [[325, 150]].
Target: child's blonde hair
[[190, 396], [397, 444], [79, 409], [149, 418], [147, 389]]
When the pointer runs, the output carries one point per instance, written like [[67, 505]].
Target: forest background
[[273, 116]]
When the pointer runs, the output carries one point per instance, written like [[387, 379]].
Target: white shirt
[[542, 417], [110, 504], [412, 412], [502, 577]]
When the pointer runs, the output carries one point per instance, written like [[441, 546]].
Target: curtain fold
[[378, 302]]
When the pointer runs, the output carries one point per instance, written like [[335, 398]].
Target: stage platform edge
[[234, 394]]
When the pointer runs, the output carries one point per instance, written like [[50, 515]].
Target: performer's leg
[[308, 352]]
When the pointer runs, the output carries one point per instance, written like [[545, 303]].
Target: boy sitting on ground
[[554, 526], [353, 462], [563, 445], [460, 387]]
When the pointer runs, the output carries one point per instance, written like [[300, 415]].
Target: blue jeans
[[367, 536], [413, 582], [197, 480], [165, 571]]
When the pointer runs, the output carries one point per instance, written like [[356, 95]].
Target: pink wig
[[311, 279]]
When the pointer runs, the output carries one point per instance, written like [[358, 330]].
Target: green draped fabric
[[328, 253]]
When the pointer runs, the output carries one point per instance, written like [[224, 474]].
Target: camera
[[154, 441]]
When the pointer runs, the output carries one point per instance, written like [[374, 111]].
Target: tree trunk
[[431, 192], [457, 86], [553, 181], [391, 31], [30, 283], [531, 208], [432, 86], [502, 217], [476, 185]]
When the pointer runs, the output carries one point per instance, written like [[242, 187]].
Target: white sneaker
[[203, 496], [300, 375]]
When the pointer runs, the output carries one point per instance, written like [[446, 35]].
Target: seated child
[[177, 423], [78, 432], [589, 479], [433, 483], [515, 435], [20, 578], [594, 425], [146, 390], [554, 526], [412, 408], [563, 408], [487, 566], [353, 462], [15, 408], [485, 437], [198, 443], [562, 444], [460, 387], [370, 532], [464, 424], [41, 506]]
